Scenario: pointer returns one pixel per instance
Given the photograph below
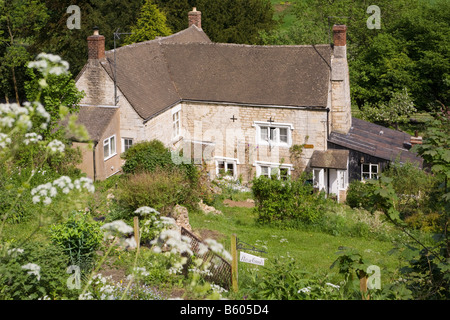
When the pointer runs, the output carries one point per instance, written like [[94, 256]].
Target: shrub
[[284, 200], [413, 187], [34, 271], [148, 156], [79, 237], [283, 279], [159, 189], [359, 195]]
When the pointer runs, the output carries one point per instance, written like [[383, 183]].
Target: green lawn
[[313, 251]]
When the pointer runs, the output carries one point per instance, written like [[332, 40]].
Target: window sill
[[109, 157]]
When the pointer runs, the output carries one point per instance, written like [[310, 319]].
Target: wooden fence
[[220, 269]]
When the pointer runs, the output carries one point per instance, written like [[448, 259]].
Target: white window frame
[[275, 140], [226, 161], [342, 177], [123, 143], [271, 165], [112, 147], [370, 172], [176, 122], [319, 179]]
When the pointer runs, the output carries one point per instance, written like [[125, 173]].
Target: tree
[[229, 21], [70, 44], [409, 50], [435, 150], [20, 21], [150, 24], [58, 90], [396, 110]]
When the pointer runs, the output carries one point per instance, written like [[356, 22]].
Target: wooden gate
[[220, 269]]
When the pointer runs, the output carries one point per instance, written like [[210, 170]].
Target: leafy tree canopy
[[410, 50], [229, 21], [150, 24]]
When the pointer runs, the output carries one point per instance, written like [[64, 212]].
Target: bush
[[148, 156], [277, 200], [359, 195], [413, 187], [79, 237], [283, 279], [34, 271], [159, 189]]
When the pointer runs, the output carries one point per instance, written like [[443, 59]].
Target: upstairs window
[[273, 134], [176, 124]]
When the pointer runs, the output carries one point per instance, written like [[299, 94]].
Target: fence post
[[363, 285], [234, 263], [136, 231]]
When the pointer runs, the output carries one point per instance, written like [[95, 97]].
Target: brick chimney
[[96, 45], [341, 113], [195, 17], [340, 35]]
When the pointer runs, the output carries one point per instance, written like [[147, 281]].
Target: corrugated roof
[[154, 75], [377, 141], [331, 158]]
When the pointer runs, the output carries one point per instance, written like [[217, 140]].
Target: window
[[126, 144], [176, 124], [369, 171], [109, 147], [226, 167], [284, 173], [319, 179], [278, 134], [265, 171], [342, 179], [273, 170]]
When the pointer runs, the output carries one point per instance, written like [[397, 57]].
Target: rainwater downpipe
[[93, 157]]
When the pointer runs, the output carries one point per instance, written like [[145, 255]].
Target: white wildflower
[[32, 137], [218, 248], [15, 251], [56, 146], [47, 201], [117, 227], [34, 269], [141, 271], [86, 296], [335, 286], [305, 290], [145, 210], [57, 70], [36, 199], [4, 140]]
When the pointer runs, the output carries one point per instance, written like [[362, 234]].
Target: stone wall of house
[[96, 83], [237, 139]]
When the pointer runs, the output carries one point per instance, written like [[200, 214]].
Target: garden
[[63, 236]]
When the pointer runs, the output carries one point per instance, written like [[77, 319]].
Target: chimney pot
[[340, 35], [96, 45], [195, 17]]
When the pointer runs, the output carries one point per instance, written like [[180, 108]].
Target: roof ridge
[[247, 45], [161, 40]]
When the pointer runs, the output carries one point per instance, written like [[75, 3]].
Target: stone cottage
[[241, 110]]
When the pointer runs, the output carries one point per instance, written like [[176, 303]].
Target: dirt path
[[244, 204]]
